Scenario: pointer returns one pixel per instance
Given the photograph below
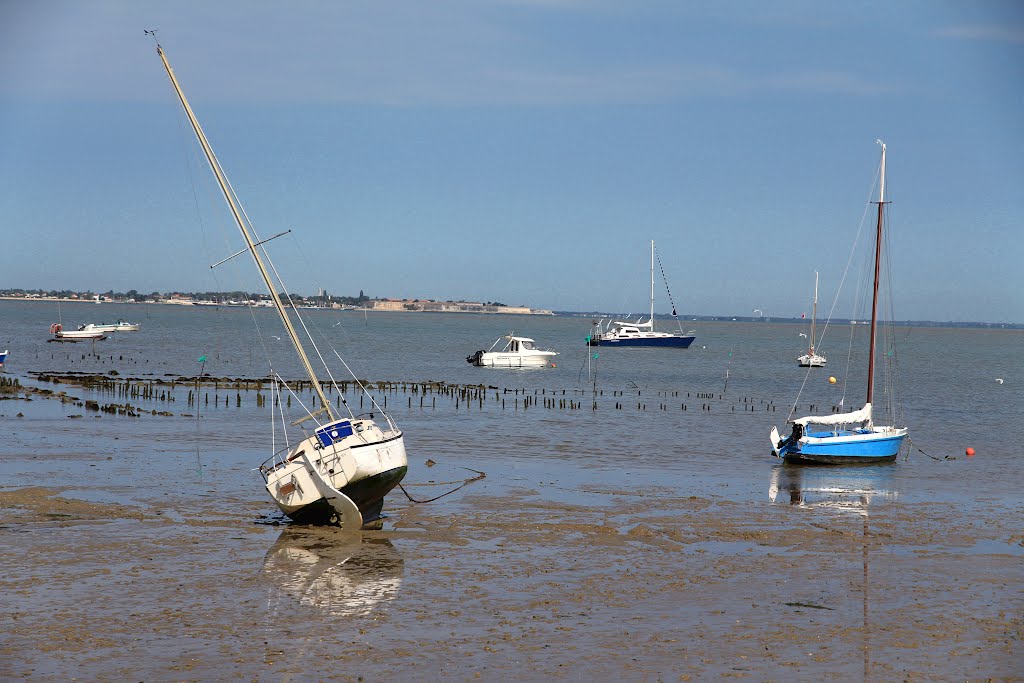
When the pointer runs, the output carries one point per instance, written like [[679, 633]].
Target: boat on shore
[[811, 359], [640, 333], [518, 352], [343, 465], [853, 437], [81, 334]]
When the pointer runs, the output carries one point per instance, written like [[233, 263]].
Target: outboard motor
[[474, 359]]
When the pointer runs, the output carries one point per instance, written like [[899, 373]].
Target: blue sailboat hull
[[674, 342], [846, 448]]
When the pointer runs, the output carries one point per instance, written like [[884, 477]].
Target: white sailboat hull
[[515, 360], [80, 334], [811, 360], [364, 467]]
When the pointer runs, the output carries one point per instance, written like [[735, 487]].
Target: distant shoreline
[[564, 314]]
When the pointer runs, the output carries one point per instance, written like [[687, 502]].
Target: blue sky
[[523, 151]]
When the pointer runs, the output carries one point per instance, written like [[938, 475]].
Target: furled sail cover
[[862, 415]]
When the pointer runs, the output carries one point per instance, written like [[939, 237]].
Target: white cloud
[[408, 54], [1004, 34]]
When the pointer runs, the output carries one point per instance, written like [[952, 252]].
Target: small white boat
[[518, 352], [812, 359], [3, 358], [119, 326], [60, 334]]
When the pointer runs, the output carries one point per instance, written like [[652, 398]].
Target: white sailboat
[[341, 472], [812, 359], [848, 438]]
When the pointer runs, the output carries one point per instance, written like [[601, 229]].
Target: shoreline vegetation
[[488, 308], [241, 299]]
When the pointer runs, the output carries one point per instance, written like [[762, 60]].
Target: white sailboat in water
[[341, 472], [812, 359], [848, 438]]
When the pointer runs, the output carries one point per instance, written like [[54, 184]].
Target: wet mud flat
[[512, 578]]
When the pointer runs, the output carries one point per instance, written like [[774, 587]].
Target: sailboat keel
[[367, 495]]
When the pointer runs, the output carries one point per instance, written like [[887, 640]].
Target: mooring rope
[[479, 475], [913, 447]]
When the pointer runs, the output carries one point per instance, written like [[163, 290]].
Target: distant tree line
[[219, 297]]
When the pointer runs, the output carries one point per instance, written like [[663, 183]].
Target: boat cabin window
[[514, 346], [334, 432], [527, 346]]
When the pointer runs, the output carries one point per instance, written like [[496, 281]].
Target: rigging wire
[[892, 366], [849, 260], [839, 289], [670, 299], [310, 267]]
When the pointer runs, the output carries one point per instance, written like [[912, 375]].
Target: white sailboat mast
[[814, 310], [652, 285], [246, 234]]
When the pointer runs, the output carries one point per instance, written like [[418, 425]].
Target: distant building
[[427, 305]]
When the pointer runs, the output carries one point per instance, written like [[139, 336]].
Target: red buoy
[[970, 452]]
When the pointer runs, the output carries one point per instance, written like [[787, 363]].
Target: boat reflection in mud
[[342, 574], [852, 490], [846, 491]]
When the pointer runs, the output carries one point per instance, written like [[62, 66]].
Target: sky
[[521, 151]]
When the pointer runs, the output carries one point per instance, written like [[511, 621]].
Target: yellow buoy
[[831, 380]]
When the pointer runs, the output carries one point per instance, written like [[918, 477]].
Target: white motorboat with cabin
[[518, 352], [339, 473], [119, 326]]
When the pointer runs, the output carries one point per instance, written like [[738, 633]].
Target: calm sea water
[[950, 397]]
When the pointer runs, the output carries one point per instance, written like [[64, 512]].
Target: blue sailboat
[[853, 437]]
